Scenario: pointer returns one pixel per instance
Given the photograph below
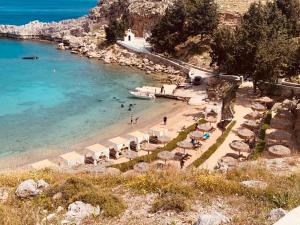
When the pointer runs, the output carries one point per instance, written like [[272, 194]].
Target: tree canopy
[[183, 19], [114, 31], [261, 47]]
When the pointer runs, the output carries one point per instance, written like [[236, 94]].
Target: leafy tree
[[170, 31], [293, 66], [203, 17], [223, 50], [115, 31], [260, 47], [291, 9]]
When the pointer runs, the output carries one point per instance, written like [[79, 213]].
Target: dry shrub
[[175, 202]]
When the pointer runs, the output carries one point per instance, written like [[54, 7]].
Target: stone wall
[[281, 90]]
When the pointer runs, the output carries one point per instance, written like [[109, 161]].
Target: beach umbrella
[[211, 119], [265, 100], [245, 133], [239, 146], [254, 115], [280, 135], [279, 151], [164, 139], [196, 135], [166, 155], [204, 127], [141, 167], [251, 124], [149, 147], [130, 154], [258, 107], [185, 145]]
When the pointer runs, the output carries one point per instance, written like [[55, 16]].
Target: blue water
[[59, 98], [23, 11]]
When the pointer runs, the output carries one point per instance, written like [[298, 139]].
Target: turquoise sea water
[[59, 98], [23, 11]]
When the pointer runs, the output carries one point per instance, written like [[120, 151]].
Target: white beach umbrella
[[245, 133], [185, 145], [130, 154], [141, 167]]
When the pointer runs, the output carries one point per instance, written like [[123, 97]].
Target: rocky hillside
[[246, 195]]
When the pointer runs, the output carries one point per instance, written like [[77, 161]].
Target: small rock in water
[[122, 105], [276, 214], [214, 218]]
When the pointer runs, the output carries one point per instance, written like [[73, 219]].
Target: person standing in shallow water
[[165, 120]]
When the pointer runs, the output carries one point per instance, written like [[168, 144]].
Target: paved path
[[242, 107]]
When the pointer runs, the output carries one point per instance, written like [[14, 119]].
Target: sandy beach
[[179, 114]]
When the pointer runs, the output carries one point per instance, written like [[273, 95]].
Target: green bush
[[167, 202], [261, 143]]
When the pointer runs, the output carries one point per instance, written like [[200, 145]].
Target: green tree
[[114, 31], [170, 31], [223, 49], [203, 17], [291, 9]]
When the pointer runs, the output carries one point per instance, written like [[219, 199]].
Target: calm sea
[[23, 11], [61, 98]]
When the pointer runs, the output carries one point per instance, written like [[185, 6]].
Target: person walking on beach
[[136, 119], [131, 120], [165, 120]]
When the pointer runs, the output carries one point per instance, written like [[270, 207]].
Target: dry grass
[[175, 190]]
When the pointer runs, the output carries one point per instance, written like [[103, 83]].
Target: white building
[[129, 36], [71, 159], [97, 151]]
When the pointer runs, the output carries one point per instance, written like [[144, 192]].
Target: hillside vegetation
[[160, 192]]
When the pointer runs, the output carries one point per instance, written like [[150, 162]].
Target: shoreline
[[21, 161]]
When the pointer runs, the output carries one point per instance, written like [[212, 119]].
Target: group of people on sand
[[135, 120]]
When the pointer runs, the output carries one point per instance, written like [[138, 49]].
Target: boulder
[[30, 188], [275, 214], [78, 211], [214, 218], [27, 189], [254, 184], [42, 185]]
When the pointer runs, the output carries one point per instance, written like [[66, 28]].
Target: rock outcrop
[[214, 218], [78, 211], [30, 188]]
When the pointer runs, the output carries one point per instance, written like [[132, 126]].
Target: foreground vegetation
[[172, 189]]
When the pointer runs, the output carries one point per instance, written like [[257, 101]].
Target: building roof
[[96, 148], [43, 164], [71, 156], [119, 140], [137, 134]]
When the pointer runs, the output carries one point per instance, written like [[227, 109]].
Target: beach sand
[[179, 114]]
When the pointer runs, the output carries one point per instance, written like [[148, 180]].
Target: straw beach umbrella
[[251, 124], [165, 139], [239, 146], [211, 119], [204, 127], [245, 133], [149, 147], [130, 154], [141, 167], [258, 107], [166, 155], [196, 135], [265, 100], [185, 145], [254, 115], [279, 151]]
